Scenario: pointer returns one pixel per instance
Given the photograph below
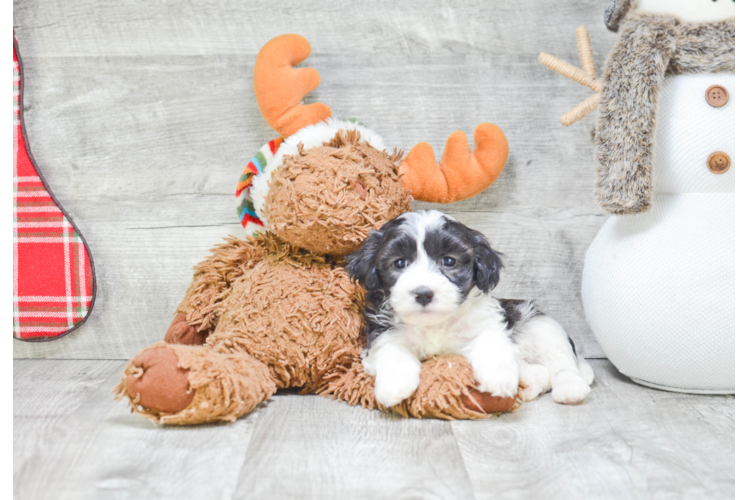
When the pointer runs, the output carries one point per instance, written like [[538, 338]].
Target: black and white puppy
[[428, 280]]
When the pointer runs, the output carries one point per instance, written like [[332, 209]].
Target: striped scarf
[[245, 207]]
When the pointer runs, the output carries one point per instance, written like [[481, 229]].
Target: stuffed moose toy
[[277, 309]]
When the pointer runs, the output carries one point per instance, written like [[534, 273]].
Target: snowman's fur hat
[[649, 47], [615, 11]]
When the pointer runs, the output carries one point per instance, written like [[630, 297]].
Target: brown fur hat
[[615, 11]]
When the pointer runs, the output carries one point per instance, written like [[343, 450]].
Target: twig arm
[[585, 76], [569, 71], [585, 51], [581, 110]]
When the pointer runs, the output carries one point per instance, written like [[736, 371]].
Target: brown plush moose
[[277, 309]]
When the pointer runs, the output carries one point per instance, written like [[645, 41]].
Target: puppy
[[428, 280]]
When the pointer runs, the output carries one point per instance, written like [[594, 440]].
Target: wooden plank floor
[[72, 441]]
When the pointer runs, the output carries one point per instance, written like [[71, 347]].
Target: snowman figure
[[658, 283]]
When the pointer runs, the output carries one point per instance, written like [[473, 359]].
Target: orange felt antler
[[460, 174], [279, 87]]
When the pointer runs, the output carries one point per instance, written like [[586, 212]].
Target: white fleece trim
[[311, 136]]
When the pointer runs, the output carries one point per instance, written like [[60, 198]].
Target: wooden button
[[718, 162], [717, 96]]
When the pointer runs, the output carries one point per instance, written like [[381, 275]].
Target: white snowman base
[[658, 292]]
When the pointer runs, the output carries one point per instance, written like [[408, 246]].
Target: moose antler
[[279, 87], [460, 174], [585, 76]]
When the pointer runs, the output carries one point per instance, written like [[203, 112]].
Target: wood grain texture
[[44, 395], [71, 440], [625, 442], [141, 116], [310, 447], [91, 447]]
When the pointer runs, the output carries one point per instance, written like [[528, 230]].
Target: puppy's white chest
[[450, 337], [433, 341]]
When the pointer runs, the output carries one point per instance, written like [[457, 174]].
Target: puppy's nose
[[423, 295]]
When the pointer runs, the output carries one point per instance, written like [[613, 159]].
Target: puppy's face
[[425, 264]]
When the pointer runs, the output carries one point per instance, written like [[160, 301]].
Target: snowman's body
[[658, 286]]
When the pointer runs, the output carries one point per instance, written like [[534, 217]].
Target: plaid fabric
[[245, 207], [52, 272]]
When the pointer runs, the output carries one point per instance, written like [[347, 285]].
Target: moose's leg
[[181, 332], [196, 317], [448, 390], [180, 385]]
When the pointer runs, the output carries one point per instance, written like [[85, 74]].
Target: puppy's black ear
[[360, 264], [487, 263]]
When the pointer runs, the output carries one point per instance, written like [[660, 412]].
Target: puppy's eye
[[448, 261], [401, 263]]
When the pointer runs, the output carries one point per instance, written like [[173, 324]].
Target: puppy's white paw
[[396, 383], [496, 379], [534, 380], [569, 388], [585, 370]]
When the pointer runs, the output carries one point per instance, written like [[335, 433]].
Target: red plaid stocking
[[53, 278]]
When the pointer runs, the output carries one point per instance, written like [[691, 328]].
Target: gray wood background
[[141, 116]]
